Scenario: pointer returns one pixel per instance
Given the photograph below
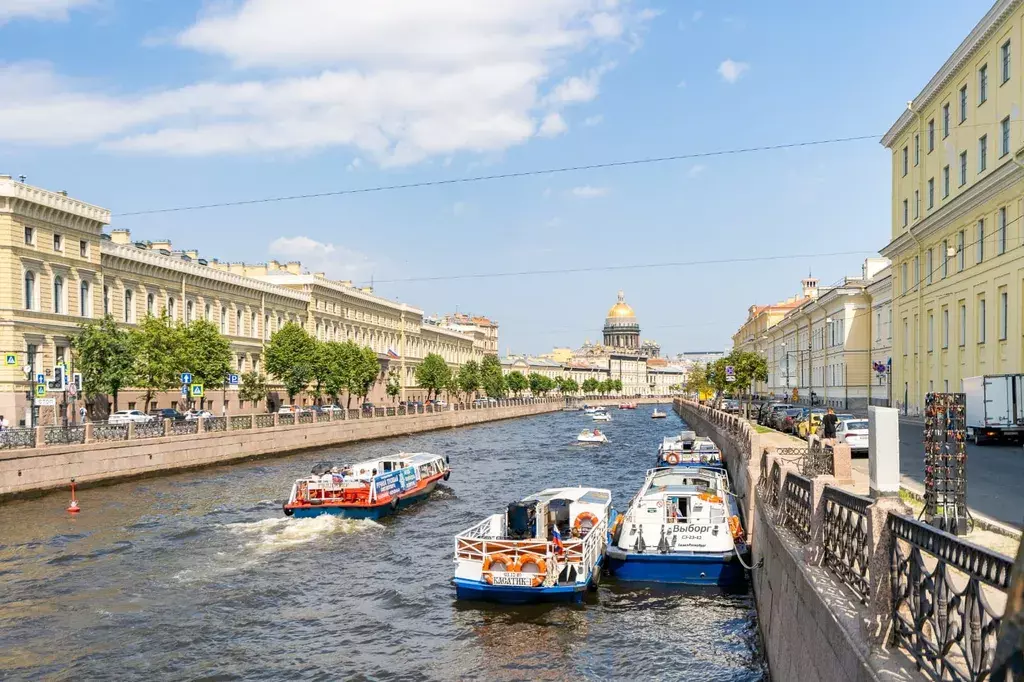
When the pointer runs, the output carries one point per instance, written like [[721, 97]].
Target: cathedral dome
[[621, 313]]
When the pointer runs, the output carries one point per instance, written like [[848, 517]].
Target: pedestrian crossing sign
[[40, 390], [197, 390], [11, 359]]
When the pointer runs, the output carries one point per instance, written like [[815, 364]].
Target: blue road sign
[[730, 370], [186, 378], [233, 379], [184, 390], [40, 378], [197, 390], [12, 359]]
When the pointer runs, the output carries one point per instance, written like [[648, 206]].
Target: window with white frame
[[84, 302], [945, 327], [980, 244], [962, 340], [1001, 231], [982, 153], [981, 320], [983, 84], [1004, 60], [963, 170], [30, 290], [58, 294], [1004, 312], [1004, 136], [963, 104]]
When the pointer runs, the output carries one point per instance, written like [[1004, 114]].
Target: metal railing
[[17, 438], [774, 480], [845, 539], [108, 432], [286, 419], [264, 420], [150, 429], [811, 462], [305, 417], [214, 424], [64, 435], [941, 591], [184, 428], [240, 422], [796, 505]]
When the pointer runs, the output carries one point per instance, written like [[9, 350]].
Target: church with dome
[[621, 330]]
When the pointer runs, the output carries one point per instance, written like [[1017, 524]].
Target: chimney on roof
[[273, 266], [810, 285], [346, 282], [192, 253], [293, 267], [237, 268], [256, 269], [121, 236], [367, 290], [321, 275], [159, 244]]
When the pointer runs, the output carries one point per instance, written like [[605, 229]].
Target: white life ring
[[672, 458]]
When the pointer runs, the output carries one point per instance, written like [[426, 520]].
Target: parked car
[[788, 419], [810, 423], [331, 408], [731, 405], [368, 405], [192, 415], [168, 413], [775, 412], [853, 432], [128, 416]]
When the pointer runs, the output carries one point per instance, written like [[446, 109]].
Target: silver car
[[128, 416]]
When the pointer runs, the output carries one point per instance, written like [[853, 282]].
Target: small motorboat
[[590, 409], [627, 406], [588, 436], [547, 547], [658, 414], [367, 490], [601, 417], [682, 526], [688, 448]]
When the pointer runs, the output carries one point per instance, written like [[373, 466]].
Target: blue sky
[[143, 104]]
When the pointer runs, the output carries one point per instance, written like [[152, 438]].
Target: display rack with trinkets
[[945, 462]]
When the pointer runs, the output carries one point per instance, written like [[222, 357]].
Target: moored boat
[[627, 406], [658, 414], [588, 436], [601, 417], [682, 526], [367, 490], [591, 409], [688, 448], [547, 547]]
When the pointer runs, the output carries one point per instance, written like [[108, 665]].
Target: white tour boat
[[688, 448], [588, 436], [601, 417], [547, 547], [682, 526], [590, 409]]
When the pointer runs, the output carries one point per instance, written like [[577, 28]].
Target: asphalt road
[[995, 473]]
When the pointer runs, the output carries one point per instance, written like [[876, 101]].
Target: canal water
[[199, 576]]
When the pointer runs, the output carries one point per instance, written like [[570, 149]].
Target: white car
[[853, 432], [192, 415], [128, 416]]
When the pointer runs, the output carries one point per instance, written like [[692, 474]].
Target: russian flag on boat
[[556, 538]]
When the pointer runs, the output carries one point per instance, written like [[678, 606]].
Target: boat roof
[[410, 458], [674, 490], [576, 494]]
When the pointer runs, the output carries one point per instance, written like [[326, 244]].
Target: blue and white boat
[[549, 547], [688, 449], [367, 490], [682, 526]]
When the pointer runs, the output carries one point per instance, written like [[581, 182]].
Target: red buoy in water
[[73, 506]]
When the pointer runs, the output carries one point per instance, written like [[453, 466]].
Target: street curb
[[986, 522]]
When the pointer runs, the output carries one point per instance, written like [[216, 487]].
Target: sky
[[136, 105]]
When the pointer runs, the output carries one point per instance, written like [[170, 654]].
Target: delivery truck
[[995, 407]]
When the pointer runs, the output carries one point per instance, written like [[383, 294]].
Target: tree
[[204, 353], [697, 380], [433, 374], [363, 371], [560, 383], [451, 387], [605, 387], [290, 357], [253, 387], [157, 343], [617, 385], [540, 384], [517, 383], [105, 357], [747, 368], [590, 386], [469, 377], [394, 386], [570, 387], [333, 356], [491, 378]]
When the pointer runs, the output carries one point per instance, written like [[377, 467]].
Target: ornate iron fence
[[940, 610], [17, 438], [184, 428], [430, 409], [401, 410], [354, 414], [796, 505], [774, 480], [286, 419], [107, 432], [150, 429], [264, 420], [811, 462], [305, 417], [845, 538], [240, 422], [389, 411], [378, 412], [213, 424], [762, 476]]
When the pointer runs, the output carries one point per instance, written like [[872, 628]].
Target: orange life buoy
[[672, 458], [508, 564], [303, 493], [585, 516], [542, 567], [710, 497], [735, 528]]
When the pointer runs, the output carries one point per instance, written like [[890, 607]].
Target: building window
[[83, 248], [223, 320], [945, 328], [238, 323], [207, 314], [189, 308], [945, 258], [906, 212], [1004, 144], [981, 320], [1001, 231], [83, 299], [983, 84], [149, 304], [878, 326], [888, 326], [1004, 60], [58, 243], [254, 330], [960, 250], [963, 324], [172, 309], [917, 148], [904, 278], [982, 153], [963, 104], [931, 333], [931, 193], [917, 203], [945, 120], [980, 256], [266, 327], [963, 170], [129, 306], [106, 300], [1004, 310], [30, 236], [917, 271], [906, 336], [945, 181], [58, 294], [906, 161], [241, 362], [30, 290], [931, 135], [280, 322], [928, 266]]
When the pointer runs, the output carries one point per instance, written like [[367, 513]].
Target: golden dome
[[621, 308]]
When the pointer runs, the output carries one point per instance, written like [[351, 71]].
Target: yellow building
[[957, 188]]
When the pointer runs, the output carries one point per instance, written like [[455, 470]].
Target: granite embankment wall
[[803, 638], [35, 470]]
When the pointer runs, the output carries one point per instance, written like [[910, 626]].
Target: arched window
[[150, 301], [58, 294], [188, 312], [266, 327], [238, 323], [106, 300], [207, 313], [223, 320], [83, 299], [171, 309], [30, 290], [129, 306], [253, 327]]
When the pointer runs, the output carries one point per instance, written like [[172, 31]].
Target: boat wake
[[270, 535], [443, 492]]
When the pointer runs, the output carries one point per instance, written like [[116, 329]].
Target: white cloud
[[593, 120], [695, 170], [588, 192], [355, 164], [731, 71], [337, 262], [553, 125], [396, 81], [54, 10]]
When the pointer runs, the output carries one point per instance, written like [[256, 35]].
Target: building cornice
[[314, 281], [982, 32], [19, 192]]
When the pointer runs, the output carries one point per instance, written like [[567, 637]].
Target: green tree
[[590, 386], [333, 358], [617, 385], [517, 383], [697, 379], [491, 377], [540, 384], [469, 377], [433, 374], [253, 387], [105, 357], [157, 342], [605, 387], [570, 387], [747, 368], [204, 353], [452, 388], [394, 386], [363, 371], [290, 356]]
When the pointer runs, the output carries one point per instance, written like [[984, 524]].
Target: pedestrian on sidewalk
[[828, 425]]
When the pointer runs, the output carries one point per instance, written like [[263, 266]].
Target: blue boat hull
[[722, 569], [475, 590], [374, 513]]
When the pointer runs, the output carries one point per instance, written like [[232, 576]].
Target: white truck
[[995, 407]]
